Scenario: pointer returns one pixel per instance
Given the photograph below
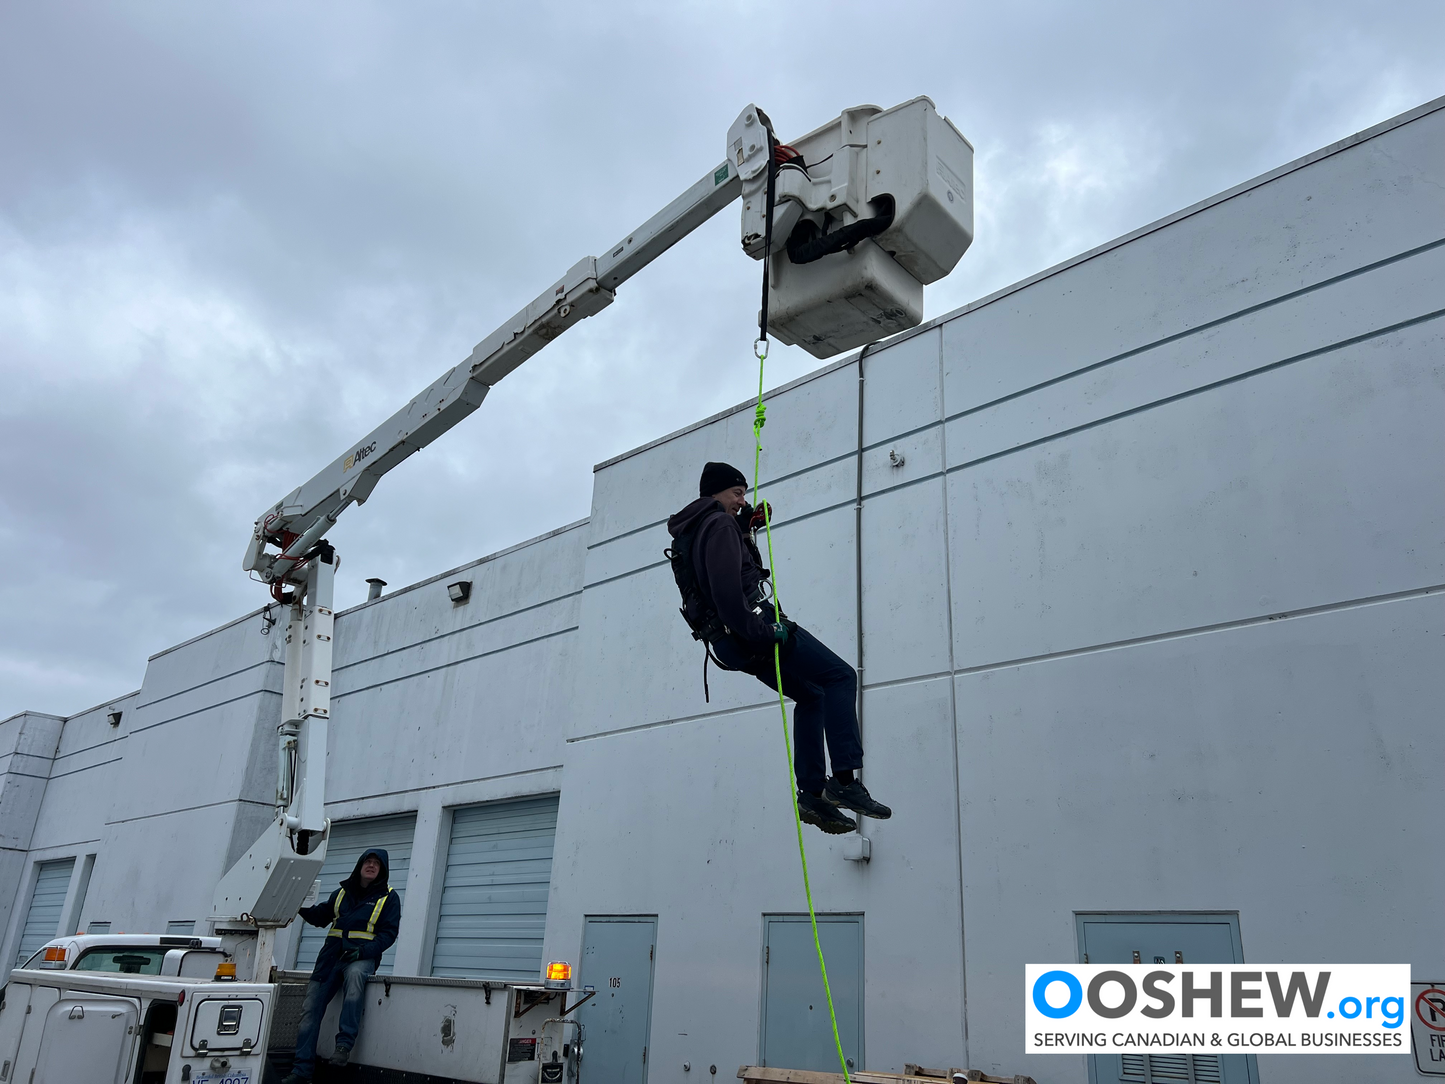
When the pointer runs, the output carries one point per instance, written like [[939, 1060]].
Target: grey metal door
[[42, 921], [493, 908], [348, 839], [617, 958], [1164, 939], [796, 1031]]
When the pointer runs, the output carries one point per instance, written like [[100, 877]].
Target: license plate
[[234, 1076]]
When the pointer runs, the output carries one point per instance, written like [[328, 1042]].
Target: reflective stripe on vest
[[358, 935]]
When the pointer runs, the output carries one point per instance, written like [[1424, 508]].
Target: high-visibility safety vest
[[369, 934]]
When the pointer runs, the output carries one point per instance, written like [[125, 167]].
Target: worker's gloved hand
[[780, 633], [760, 516], [350, 956]]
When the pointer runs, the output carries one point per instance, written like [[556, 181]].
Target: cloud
[[234, 237]]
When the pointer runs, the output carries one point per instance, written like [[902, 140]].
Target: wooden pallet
[[758, 1074]]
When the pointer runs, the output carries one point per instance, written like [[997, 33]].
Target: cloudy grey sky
[[234, 236]]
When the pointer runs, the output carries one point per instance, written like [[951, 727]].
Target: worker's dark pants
[[351, 980], [823, 687]]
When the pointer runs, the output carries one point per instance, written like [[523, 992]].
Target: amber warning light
[[559, 975], [54, 957]]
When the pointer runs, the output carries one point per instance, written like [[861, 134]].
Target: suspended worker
[[363, 914], [727, 602]]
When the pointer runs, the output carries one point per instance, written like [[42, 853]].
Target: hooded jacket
[[364, 920], [728, 566]]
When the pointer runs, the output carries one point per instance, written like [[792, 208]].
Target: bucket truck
[[852, 220]]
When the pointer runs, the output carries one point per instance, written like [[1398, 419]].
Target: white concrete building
[[1151, 641]]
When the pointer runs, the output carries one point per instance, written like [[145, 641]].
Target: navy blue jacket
[[728, 566], [357, 923]]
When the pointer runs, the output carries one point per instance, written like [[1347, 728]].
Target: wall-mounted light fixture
[[459, 591], [113, 717]]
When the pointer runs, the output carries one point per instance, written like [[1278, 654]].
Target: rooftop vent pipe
[[374, 587]]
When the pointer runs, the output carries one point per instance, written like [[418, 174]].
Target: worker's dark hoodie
[[352, 918], [728, 567]]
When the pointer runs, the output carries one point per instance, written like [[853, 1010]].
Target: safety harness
[[697, 606], [369, 934]]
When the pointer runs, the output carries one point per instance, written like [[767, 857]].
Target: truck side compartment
[[73, 1025], [430, 1029]]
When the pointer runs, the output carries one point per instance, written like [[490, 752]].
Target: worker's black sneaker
[[824, 814], [342, 1056], [855, 796]]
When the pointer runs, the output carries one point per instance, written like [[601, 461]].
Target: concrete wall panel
[[903, 460], [154, 869], [902, 389], [1361, 306], [470, 643], [1333, 216], [905, 585], [698, 821], [29, 742], [513, 582], [807, 424], [469, 720], [914, 928], [1274, 770], [210, 657], [629, 554], [1296, 488], [816, 576], [27, 749], [210, 751]]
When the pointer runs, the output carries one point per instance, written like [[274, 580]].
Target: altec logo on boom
[[358, 456], [1216, 1008]]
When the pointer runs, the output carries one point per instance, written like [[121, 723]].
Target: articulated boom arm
[[865, 210], [298, 521], [264, 889]]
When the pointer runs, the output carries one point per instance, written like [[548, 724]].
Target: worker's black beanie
[[717, 477]]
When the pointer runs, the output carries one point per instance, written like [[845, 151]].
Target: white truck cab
[[131, 954]]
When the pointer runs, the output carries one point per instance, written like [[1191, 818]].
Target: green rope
[[759, 418]]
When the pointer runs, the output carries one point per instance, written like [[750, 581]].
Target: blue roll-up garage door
[[42, 921], [494, 897], [348, 840]]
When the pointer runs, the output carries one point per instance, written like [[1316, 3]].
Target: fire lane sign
[[1427, 1026]]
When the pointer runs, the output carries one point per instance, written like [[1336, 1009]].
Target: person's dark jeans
[[351, 980], [825, 690]]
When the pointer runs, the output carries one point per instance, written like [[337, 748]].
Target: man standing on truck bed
[[721, 576], [364, 914]]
